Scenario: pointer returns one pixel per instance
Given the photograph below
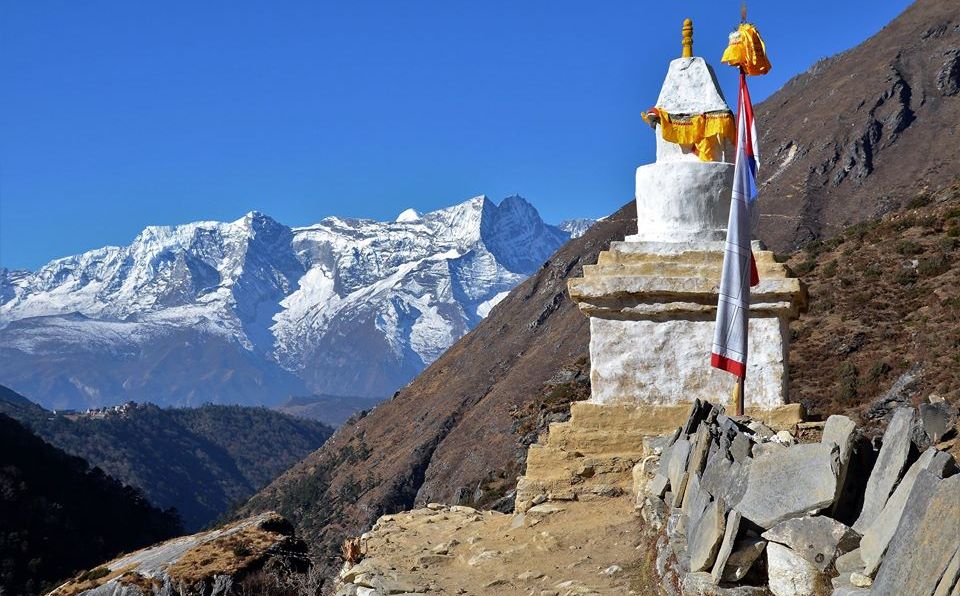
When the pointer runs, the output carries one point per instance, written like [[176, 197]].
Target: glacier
[[253, 311]]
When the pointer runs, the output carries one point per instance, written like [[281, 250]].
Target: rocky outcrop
[[760, 491], [257, 555], [839, 143]]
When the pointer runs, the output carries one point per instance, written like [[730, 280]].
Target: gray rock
[[745, 552], [724, 478], [850, 561], [677, 464], [951, 577], [877, 536], [695, 502], [658, 486], [938, 419], [797, 481], [926, 539], [701, 584], [700, 450], [840, 430], [680, 490], [740, 448], [818, 539], [790, 574], [704, 540], [889, 468], [762, 430], [897, 396], [654, 512], [761, 449], [726, 545]]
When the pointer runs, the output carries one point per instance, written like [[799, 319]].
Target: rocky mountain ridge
[[253, 311], [860, 133]]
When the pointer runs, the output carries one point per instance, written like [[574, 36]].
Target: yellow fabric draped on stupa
[[703, 131], [747, 50]]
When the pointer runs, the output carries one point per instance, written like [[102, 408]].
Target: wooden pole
[[740, 396]]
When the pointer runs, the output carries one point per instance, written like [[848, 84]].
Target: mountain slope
[[861, 132], [57, 515], [199, 461], [452, 428], [253, 311]]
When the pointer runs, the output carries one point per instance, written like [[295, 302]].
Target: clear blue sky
[[117, 115]]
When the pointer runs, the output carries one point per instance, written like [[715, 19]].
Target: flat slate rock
[[726, 545], [745, 552], [938, 419], [817, 539], [724, 478], [891, 463], [677, 464], [878, 535], [794, 482], [703, 541], [926, 539]]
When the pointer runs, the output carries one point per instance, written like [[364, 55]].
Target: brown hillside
[[452, 428], [884, 301], [848, 140]]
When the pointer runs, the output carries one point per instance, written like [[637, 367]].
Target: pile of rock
[[725, 490]]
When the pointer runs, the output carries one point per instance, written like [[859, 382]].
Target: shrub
[[909, 247], [94, 574], [921, 200], [830, 269], [934, 265], [905, 276], [848, 382]]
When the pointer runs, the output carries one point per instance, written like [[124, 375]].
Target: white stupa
[[652, 298]]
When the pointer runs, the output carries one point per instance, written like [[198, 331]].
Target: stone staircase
[[593, 455]]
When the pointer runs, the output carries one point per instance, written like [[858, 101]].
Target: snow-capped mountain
[[577, 227], [253, 311]]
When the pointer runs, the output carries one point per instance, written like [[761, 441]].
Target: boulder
[[745, 552], [877, 536], [703, 541], [726, 545], [926, 540], [791, 575], [700, 450], [701, 584], [889, 468], [790, 483], [818, 539]]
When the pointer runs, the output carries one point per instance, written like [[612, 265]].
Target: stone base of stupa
[[594, 454], [652, 309]]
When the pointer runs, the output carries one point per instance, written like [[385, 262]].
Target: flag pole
[[740, 400]]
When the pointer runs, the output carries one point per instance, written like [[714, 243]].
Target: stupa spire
[[687, 39]]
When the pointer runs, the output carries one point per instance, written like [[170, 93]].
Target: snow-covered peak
[[349, 306], [576, 227], [408, 215]]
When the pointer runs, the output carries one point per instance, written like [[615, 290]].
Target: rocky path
[[555, 548]]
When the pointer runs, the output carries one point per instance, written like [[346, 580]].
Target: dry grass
[[223, 556], [883, 298]]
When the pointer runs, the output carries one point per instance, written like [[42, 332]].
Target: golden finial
[[687, 39]]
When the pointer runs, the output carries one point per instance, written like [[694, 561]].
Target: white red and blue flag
[[739, 268]]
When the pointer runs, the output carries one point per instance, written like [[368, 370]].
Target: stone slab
[[877, 536], [817, 539], [704, 541], [726, 545], [745, 552], [796, 481], [890, 465], [926, 539], [840, 430], [791, 575]]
